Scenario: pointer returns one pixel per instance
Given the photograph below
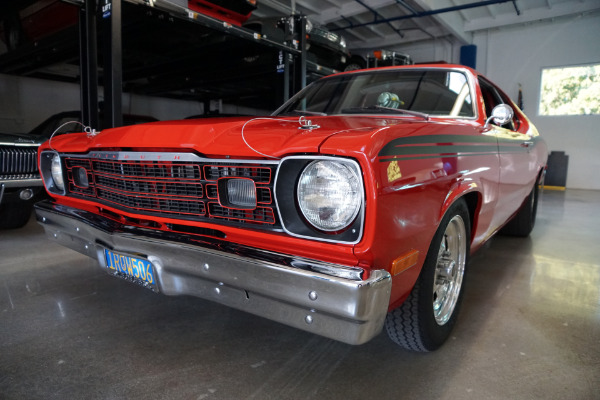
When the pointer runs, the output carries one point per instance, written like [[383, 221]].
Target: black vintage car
[[20, 182]]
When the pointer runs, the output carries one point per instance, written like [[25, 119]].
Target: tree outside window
[[570, 90]]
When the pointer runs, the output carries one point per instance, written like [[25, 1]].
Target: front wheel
[[13, 32], [424, 321], [14, 216], [355, 62]]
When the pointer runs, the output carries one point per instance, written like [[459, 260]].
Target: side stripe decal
[[450, 146]]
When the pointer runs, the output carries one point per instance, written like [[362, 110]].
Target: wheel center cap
[[446, 268]]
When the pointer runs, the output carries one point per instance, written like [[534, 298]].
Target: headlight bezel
[[293, 221], [50, 167]]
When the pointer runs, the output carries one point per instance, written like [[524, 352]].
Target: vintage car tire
[[15, 217], [354, 63], [13, 33], [424, 321], [523, 222]]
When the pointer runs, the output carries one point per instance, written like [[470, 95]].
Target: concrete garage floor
[[529, 329]]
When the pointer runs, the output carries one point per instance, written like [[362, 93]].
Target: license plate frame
[[132, 268]]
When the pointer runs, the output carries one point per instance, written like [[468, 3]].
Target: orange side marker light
[[405, 262]]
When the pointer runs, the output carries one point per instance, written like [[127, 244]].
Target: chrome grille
[[182, 189], [18, 162]]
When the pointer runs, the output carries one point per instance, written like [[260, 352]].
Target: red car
[[42, 18], [235, 12], [354, 206]]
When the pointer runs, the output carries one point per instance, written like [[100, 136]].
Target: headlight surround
[[329, 195], [57, 173], [52, 172]]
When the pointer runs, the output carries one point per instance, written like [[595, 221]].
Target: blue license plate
[[130, 268]]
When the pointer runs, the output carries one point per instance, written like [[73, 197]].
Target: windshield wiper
[[357, 110], [310, 112]]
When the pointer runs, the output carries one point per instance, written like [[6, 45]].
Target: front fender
[[458, 190]]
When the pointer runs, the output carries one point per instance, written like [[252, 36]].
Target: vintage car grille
[[18, 163], [180, 189]]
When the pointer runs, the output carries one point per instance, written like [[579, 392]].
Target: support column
[[113, 63], [88, 64]]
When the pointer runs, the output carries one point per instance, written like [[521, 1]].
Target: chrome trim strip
[[21, 182], [16, 144], [249, 279], [161, 156]]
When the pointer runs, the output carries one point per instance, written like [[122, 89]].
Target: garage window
[[570, 90]]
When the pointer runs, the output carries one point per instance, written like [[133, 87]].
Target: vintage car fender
[[400, 221]]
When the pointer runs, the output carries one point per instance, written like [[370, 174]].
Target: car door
[[517, 171]]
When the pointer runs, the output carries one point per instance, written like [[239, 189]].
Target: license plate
[[130, 268]]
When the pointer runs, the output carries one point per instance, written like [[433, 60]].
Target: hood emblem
[[21, 140], [307, 124]]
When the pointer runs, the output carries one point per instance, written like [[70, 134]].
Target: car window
[[492, 98], [433, 92]]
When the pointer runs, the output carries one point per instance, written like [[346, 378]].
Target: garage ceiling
[[389, 23]]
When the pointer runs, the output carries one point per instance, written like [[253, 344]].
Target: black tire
[[14, 216], [354, 63], [424, 321], [523, 222], [13, 33]]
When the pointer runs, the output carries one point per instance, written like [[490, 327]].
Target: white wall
[[514, 55], [25, 102]]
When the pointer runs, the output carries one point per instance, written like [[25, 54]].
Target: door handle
[[527, 144]]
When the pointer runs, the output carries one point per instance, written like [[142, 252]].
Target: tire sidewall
[[432, 334]]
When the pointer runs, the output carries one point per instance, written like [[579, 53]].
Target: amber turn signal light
[[404, 262]]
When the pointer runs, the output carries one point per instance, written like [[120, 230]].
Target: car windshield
[[424, 92]]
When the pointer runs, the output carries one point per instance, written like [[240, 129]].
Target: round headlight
[[57, 174], [329, 195]]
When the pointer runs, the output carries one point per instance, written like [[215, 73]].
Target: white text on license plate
[[132, 267]]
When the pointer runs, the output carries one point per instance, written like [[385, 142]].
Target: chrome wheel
[[426, 318], [449, 270]]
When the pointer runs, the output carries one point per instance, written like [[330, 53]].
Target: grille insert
[[186, 189], [18, 162]]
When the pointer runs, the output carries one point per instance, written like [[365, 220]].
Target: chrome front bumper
[[253, 280]]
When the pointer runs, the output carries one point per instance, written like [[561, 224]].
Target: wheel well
[[472, 200]]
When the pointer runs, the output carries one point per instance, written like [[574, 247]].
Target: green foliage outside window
[[570, 90]]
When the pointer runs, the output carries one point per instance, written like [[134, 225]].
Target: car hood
[[17, 139], [262, 137]]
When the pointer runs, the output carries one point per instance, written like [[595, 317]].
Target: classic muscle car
[[354, 206]]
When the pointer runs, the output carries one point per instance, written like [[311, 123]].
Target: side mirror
[[501, 114]]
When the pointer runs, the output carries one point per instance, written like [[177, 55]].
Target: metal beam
[[113, 63], [433, 13], [88, 64], [378, 16], [348, 9], [452, 21]]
